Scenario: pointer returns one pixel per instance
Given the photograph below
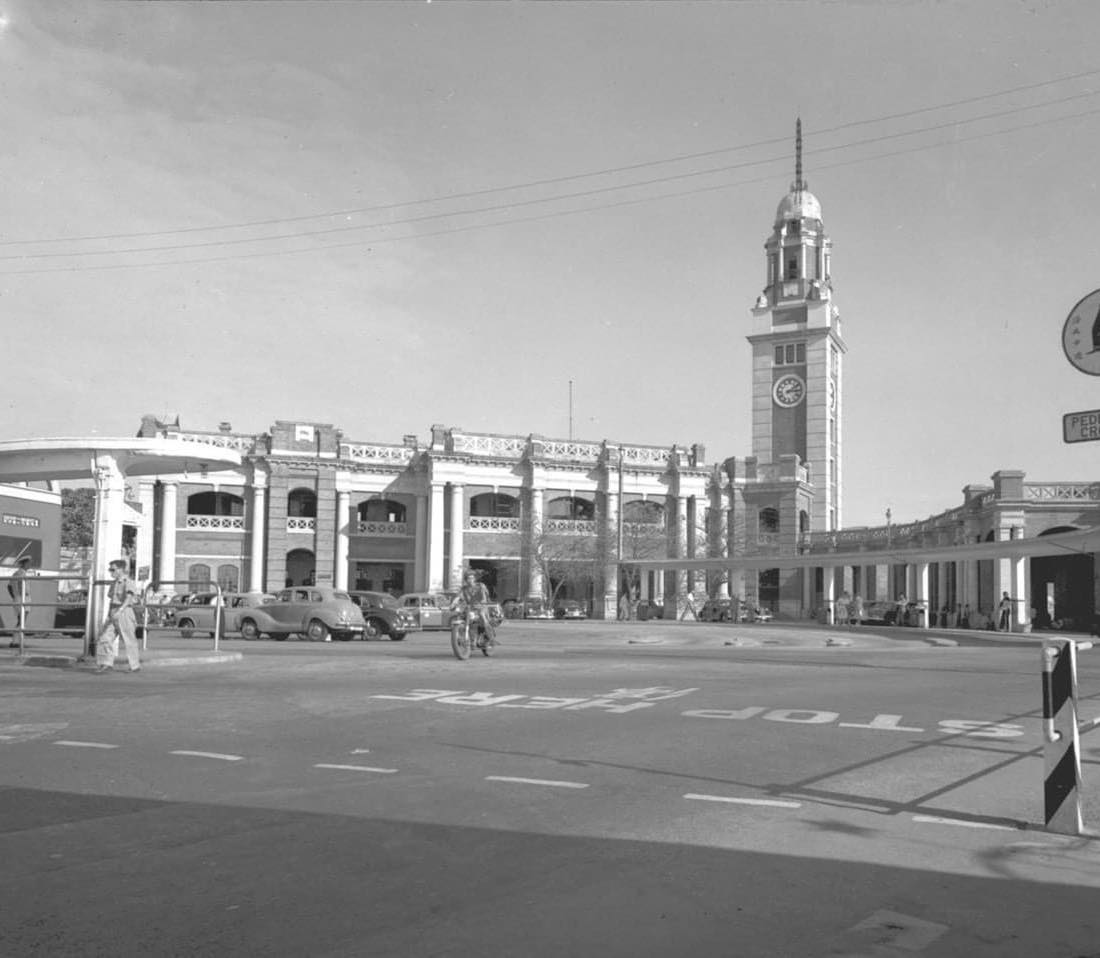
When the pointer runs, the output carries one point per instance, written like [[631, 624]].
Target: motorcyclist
[[473, 597]]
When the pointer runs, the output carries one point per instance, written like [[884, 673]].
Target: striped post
[[1061, 752]]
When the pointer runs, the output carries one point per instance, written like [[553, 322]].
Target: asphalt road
[[643, 789]]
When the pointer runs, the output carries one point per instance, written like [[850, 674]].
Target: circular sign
[[1081, 334]]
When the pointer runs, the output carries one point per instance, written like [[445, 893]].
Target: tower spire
[[798, 184]]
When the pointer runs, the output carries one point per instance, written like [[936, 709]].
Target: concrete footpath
[[65, 652]]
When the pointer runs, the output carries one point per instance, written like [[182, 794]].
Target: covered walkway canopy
[[109, 462], [1010, 556]]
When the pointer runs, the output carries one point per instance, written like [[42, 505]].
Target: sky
[[388, 215]]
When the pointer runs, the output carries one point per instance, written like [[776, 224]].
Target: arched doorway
[[301, 567], [1062, 589]]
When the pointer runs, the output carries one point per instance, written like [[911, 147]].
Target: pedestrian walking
[[689, 606], [856, 612], [842, 608], [1004, 613], [17, 591], [121, 597], [903, 606]]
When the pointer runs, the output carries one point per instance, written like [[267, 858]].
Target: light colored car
[[317, 613], [568, 609], [198, 613]]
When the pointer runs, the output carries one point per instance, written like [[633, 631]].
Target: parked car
[[384, 615], [318, 613], [569, 609], [432, 610], [752, 613], [716, 610], [526, 609], [197, 614]]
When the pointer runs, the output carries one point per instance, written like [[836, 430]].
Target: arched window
[[769, 520], [803, 521], [302, 504], [570, 507], [229, 578], [215, 504], [646, 512], [498, 504], [381, 510], [198, 578]]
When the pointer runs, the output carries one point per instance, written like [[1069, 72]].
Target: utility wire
[[521, 204], [550, 181], [541, 216]]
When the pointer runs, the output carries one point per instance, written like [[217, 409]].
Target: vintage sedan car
[[569, 609], [716, 610], [197, 614], [384, 615], [317, 613], [432, 610], [527, 609]]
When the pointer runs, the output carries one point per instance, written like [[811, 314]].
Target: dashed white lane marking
[[218, 755], [772, 802], [360, 751], [535, 781], [359, 768], [936, 820], [85, 744]]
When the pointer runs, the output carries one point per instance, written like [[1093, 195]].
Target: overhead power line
[[522, 204], [553, 181], [378, 241]]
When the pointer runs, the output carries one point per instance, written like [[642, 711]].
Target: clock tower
[[797, 354]]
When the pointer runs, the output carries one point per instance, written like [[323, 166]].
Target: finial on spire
[[798, 184]]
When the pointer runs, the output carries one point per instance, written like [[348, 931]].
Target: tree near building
[[77, 519]]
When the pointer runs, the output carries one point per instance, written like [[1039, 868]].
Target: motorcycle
[[467, 632]]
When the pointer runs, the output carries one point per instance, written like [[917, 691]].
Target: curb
[[75, 662]]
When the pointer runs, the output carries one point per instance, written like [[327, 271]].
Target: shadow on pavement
[[93, 875]]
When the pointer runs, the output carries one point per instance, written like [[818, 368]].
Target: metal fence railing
[[166, 616], [24, 604]]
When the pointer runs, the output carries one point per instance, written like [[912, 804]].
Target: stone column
[[681, 553], [458, 518], [420, 556], [110, 489], [147, 494], [920, 590], [258, 529], [723, 552], [611, 571], [698, 578], [435, 540], [1021, 594], [166, 568], [828, 590], [536, 588], [340, 571]]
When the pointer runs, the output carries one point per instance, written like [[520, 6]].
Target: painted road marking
[[937, 820], [535, 781], [360, 751], [217, 755], [359, 768], [775, 803], [26, 732], [85, 744]]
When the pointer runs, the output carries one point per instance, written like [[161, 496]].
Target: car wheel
[[186, 627], [249, 630], [373, 629], [317, 631]]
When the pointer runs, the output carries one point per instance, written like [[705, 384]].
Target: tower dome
[[798, 204]]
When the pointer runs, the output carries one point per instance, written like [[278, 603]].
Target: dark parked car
[[384, 615], [650, 609], [716, 610], [526, 609]]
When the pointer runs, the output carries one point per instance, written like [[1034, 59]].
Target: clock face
[[789, 390]]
